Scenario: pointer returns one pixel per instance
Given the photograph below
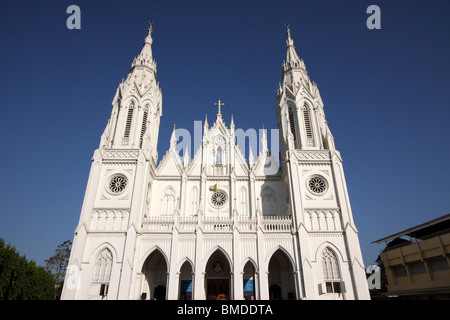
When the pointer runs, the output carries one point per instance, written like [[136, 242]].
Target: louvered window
[[144, 124], [129, 119], [292, 124], [307, 122]]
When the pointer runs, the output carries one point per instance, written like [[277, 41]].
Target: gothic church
[[216, 226]]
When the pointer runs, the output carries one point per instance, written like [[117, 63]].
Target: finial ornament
[[150, 28], [288, 30]]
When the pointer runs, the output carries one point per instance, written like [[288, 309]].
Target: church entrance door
[[160, 293], [154, 271], [218, 277], [218, 289]]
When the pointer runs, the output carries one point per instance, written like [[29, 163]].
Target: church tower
[[314, 180], [217, 225], [120, 175]]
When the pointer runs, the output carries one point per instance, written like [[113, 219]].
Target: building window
[[144, 124], [292, 125], [102, 273], [219, 198], [129, 119], [117, 184], [317, 185], [399, 271], [269, 202], [219, 155], [417, 267], [243, 196], [168, 202], [331, 274], [307, 122], [194, 200], [438, 264]]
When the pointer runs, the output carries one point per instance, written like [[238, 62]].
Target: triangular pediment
[[170, 164]]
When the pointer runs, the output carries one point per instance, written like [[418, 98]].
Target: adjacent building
[[416, 261]]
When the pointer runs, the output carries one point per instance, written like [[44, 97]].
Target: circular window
[[117, 184], [317, 185], [219, 198]]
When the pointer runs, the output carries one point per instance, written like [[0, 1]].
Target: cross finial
[[219, 104]]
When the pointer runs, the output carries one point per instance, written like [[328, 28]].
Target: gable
[[170, 165]]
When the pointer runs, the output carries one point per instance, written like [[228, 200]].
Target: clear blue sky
[[386, 95]]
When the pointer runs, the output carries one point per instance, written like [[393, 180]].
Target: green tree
[[57, 265], [21, 279]]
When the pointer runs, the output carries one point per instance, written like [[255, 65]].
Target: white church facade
[[217, 226]]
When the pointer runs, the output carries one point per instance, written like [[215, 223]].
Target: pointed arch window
[[102, 272], [129, 119], [269, 202], [219, 155], [168, 202], [194, 200], [331, 274], [243, 201]]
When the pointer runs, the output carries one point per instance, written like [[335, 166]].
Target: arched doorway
[[249, 284], [154, 271], [218, 277], [281, 277], [186, 281]]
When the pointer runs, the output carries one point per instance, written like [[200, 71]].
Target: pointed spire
[[264, 148], [173, 139], [292, 57], [251, 158], [186, 158], [206, 125], [145, 58]]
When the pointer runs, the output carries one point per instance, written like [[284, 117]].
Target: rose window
[[117, 184], [218, 198], [317, 185]]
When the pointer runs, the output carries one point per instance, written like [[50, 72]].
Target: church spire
[[294, 69], [292, 61], [291, 54], [173, 138], [145, 58]]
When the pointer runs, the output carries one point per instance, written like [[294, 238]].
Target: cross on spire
[[219, 104]]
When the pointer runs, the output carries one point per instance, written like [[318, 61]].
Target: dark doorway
[[275, 292], [155, 277], [160, 293], [218, 289], [218, 277]]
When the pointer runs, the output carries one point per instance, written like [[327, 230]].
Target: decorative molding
[[120, 154], [323, 220], [109, 220], [313, 155], [325, 234]]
